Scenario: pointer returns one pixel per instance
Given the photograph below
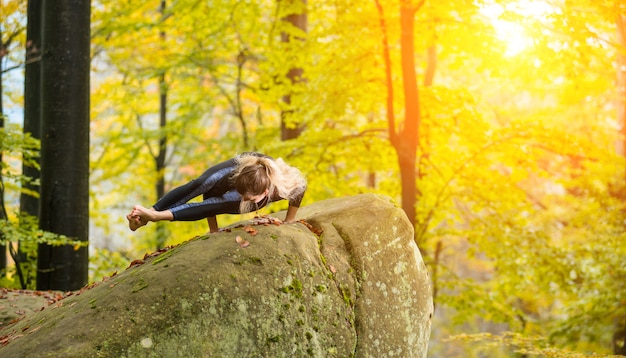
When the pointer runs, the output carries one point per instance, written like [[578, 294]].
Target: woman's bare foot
[[135, 221], [141, 216], [145, 215]]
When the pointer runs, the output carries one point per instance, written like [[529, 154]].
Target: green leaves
[[24, 229]]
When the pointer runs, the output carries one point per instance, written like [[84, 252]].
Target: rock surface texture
[[348, 281]]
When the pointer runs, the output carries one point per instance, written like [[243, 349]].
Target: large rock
[[360, 288]]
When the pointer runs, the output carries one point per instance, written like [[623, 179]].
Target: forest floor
[[16, 304]]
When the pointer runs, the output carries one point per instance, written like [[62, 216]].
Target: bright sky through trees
[[510, 28]]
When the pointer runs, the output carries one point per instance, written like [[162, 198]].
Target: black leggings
[[219, 195]]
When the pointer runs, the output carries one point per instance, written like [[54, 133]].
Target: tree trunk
[[161, 232], [295, 75], [619, 336], [3, 216], [65, 142], [621, 83], [406, 143], [29, 204]]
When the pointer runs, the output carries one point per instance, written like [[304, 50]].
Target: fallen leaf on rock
[[158, 252], [333, 269], [267, 221], [316, 231], [106, 278], [250, 230], [4, 340], [241, 242], [136, 263], [15, 320]]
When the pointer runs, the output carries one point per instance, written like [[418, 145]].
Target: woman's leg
[[213, 179], [227, 203], [196, 187]]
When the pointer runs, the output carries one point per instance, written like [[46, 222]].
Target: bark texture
[[65, 142]]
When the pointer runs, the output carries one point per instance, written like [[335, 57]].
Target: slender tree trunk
[[65, 142], [237, 103], [3, 215], [161, 232], [295, 75], [29, 203], [370, 180], [621, 82], [429, 76], [406, 140], [160, 158], [619, 336], [407, 145]]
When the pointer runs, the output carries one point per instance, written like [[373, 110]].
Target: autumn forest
[[498, 126]]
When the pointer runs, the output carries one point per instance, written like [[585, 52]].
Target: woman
[[245, 183]]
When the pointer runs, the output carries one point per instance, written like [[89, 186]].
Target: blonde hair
[[254, 174]]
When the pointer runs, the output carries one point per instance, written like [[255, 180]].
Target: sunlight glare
[[513, 34]]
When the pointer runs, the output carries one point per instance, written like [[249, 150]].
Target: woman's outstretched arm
[[291, 214], [213, 227]]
